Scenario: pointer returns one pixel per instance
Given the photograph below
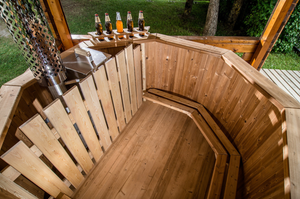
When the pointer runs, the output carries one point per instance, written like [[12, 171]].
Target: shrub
[[260, 13]]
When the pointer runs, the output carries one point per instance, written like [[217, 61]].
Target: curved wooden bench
[[214, 136]]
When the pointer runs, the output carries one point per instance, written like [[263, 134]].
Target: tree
[[211, 23], [234, 13], [188, 7]]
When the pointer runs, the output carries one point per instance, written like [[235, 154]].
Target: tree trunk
[[234, 13], [188, 7], [211, 23]]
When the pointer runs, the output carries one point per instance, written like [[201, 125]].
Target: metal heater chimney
[[27, 24]]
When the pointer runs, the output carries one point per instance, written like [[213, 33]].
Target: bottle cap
[[128, 12], [141, 11], [106, 13], [96, 15], [118, 16]]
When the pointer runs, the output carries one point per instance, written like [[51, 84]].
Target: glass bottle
[[141, 22], [129, 23], [108, 26], [98, 25], [119, 25]]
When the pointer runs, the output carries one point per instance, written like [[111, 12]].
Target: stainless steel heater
[[27, 24]]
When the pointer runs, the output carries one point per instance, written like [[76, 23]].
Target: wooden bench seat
[[160, 154], [215, 137]]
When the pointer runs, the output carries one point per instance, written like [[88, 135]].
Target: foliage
[[290, 35], [259, 16], [260, 13]]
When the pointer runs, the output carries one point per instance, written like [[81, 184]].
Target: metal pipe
[[27, 24]]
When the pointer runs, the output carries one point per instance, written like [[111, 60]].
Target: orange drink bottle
[[119, 25]]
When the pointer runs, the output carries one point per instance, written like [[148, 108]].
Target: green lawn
[[12, 63], [164, 16]]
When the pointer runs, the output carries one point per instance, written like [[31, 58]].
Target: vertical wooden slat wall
[[74, 140], [249, 116]]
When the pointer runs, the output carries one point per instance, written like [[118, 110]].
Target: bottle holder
[[115, 35]]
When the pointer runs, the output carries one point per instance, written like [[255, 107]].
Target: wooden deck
[[160, 154], [287, 80]]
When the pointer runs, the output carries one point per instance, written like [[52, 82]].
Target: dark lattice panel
[[28, 26]]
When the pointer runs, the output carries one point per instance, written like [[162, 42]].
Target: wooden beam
[[60, 23], [275, 25]]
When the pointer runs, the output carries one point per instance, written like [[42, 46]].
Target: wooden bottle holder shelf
[[126, 35]]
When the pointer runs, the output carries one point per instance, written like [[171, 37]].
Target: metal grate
[[27, 24]]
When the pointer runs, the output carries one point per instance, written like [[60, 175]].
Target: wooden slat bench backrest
[[98, 110]]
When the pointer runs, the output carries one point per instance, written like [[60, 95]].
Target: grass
[[289, 61], [164, 16], [12, 63]]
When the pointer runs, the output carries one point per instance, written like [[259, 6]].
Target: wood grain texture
[[91, 98], [261, 82], [131, 77], [27, 163], [136, 167], [106, 101], [291, 155], [60, 120], [122, 72], [113, 80], [240, 102], [9, 98], [138, 75], [37, 131], [9, 186], [74, 101]]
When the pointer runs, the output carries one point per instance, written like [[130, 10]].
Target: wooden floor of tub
[[160, 154]]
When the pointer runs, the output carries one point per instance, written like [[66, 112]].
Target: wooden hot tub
[[163, 118]]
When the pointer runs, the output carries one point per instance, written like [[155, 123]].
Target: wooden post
[[272, 31], [60, 22]]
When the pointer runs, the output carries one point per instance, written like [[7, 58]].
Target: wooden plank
[[169, 104], [263, 84], [24, 80], [292, 78], [9, 98], [105, 97], [213, 125], [74, 101], [60, 23], [14, 189], [291, 155], [30, 187], [143, 49], [27, 163], [138, 75], [293, 73], [289, 80], [122, 71], [279, 80], [37, 131], [208, 134], [232, 177], [60, 120], [278, 19], [113, 80], [216, 183], [131, 77], [189, 44], [91, 98]]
